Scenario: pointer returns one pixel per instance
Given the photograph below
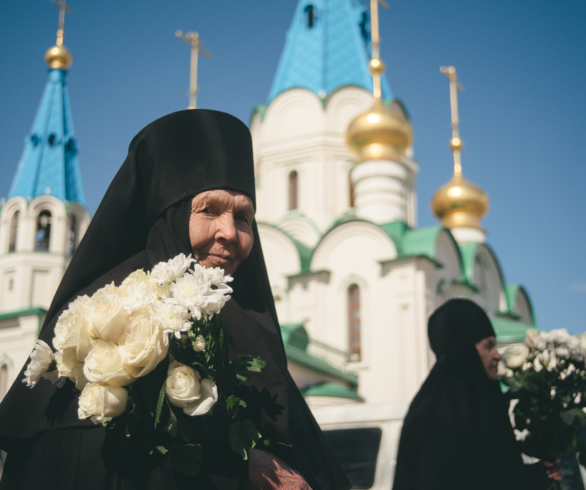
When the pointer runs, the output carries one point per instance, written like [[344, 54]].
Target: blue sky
[[523, 115]]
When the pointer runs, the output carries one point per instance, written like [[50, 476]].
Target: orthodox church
[[354, 278]]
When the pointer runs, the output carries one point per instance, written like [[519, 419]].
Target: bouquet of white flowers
[[547, 381], [149, 356]]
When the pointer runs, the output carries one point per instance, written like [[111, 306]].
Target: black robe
[[142, 220], [457, 433]]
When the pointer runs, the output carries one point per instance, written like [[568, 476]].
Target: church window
[[3, 380], [11, 284], [52, 139], [72, 235], [43, 235], [34, 140], [13, 231], [481, 272], [354, 353], [310, 12], [351, 194], [363, 27], [293, 190]]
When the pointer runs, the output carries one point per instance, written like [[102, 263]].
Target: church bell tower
[[43, 218]]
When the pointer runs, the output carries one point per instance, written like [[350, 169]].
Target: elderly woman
[[187, 186], [457, 433]]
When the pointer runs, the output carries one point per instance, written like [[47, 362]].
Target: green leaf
[[256, 365], [266, 442], [106, 421], [187, 459], [162, 449], [171, 426], [160, 404], [242, 377], [236, 442], [185, 426], [567, 417]]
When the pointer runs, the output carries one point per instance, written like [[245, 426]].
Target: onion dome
[[379, 134], [460, 203], [58, 57]]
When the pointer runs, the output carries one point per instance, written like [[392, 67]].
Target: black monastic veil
[[143, 219], [457, 433]]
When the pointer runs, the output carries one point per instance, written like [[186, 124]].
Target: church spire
[[49, 163], [327, 47]]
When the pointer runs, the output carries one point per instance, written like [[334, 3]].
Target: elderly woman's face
[[489, 356], [220, 228]]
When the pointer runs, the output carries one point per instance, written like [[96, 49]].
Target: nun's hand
[[267, 472], [553, 470]]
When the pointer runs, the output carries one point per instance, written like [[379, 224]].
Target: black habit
[[142, 220], [457, 433]]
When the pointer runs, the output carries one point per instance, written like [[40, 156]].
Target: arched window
[[72, 235], [351, 194], [13, 231], [43, 236], [309, 11], [354, 353], [293, 189], [3, 380], [481, 272]]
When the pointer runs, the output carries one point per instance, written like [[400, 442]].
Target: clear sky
[[522, 116]]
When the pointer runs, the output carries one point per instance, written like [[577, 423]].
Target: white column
[[381, 190]]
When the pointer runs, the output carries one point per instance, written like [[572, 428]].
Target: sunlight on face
[[489, 356], [220, 228]]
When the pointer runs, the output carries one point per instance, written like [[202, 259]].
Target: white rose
[[98, 402], [172, 317], [42, 358], [105, 314], [199, 344], [515, 356], [582, 339], [142, 344], [185, 390], [545, 358], [72, 329], [562, 352], [104, 365], [166, 272], [69, 366], [560, 335], [501, 369], [532, 338]]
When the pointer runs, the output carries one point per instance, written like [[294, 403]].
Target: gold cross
[[376, 65], [192, 38], [63, 8], [455, 143]]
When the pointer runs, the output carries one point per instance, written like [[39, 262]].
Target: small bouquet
[[150, 358], [546, 377]]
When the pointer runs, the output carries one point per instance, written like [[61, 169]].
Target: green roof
[[509, 330], [335, 390]]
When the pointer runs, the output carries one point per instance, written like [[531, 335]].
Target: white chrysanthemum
[[136, 295], [559, 336], [217, 277], [515, 356], [167, 272], [42, 358], [172, 317]]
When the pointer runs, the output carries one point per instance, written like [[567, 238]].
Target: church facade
[[337, 213]]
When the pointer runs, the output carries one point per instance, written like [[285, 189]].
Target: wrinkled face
[[220, 228], [489, 356]]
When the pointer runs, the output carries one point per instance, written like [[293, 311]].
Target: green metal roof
[[335, 390], [509, 330]]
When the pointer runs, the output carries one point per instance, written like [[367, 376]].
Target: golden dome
[[380, 133], [460, 203], [58, 57]]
